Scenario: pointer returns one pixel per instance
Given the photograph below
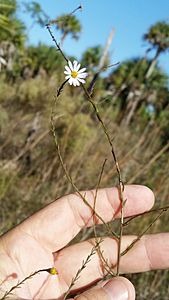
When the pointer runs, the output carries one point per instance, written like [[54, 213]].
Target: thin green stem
[[67, 174], [83, 266], [100, 253], [121, 185], [140, 235], [56, 43], [165, 208], [22, 281]]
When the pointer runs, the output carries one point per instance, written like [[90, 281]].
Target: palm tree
[[158, 37], [42, 57], [11, 28], [37, 14], [138, 92], [6, 9], [68, 24], [12, 35]]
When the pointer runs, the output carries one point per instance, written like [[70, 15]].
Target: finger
[[150, 252], [118, 288], [56, 224]]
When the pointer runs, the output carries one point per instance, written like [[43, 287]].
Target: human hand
[[40, 243]]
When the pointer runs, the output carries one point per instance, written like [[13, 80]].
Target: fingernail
[[116, 290]]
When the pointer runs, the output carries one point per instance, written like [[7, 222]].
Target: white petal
[[82, 70], [67, 77], [70, 65], [75, 81], [76, 66], [67, 73], [75, 63], [70, 81], [81, 80], [82, 75], [67, 69]]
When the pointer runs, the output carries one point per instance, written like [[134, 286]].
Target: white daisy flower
[[74, 74]]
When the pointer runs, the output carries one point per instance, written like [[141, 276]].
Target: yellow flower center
[[74, 74]]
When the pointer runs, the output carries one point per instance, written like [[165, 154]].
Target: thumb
[[118, 288]]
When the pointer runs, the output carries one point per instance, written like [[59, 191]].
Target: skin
[[40, 242]]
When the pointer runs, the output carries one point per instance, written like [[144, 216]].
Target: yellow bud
[[53, 271]]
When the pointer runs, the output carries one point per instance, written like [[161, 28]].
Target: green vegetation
[[11, 29], [133, 101], [68, 25]]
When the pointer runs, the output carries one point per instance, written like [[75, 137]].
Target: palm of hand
[[38, 243]]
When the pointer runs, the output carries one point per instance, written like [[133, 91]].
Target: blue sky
[[130, 18]]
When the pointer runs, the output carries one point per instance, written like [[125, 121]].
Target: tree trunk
[[106, 49], [63, 38], [132, 111], [102, 60], [153, 64]]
